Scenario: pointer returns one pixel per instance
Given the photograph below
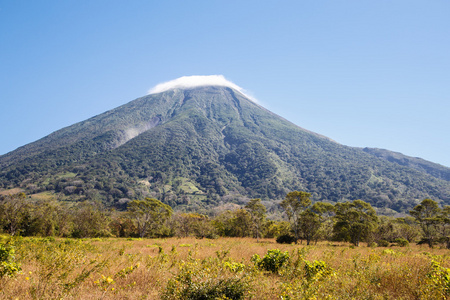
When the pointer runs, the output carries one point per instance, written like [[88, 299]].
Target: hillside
[[422, 165], [202, 147]]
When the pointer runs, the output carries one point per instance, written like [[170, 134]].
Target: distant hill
[[422, 165], [202, 147]]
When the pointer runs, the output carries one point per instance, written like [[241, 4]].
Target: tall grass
[[189, 268]]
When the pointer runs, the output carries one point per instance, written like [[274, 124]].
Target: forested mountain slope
[[202, 147], [435, 170]]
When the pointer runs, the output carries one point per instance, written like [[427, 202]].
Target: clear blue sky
[[364, 73]]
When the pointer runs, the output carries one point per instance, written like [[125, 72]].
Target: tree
[[13, 211], [326, 212], [121, 225], [186, 224], [309, 225], [354, 221], [427, 216], [233, 223], [257, 212], [149, 214], [408, 228], [313, 219], [294, 204], [444, 231], [43, 217], [90, 220]]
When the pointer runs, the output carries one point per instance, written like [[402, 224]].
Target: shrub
[[401, 242], [286, 239], [383, 243], [208, 279], [211, 236], [272, 261], [372, 245], [437, 282], [317, 269], [228, 288], [8, 266]]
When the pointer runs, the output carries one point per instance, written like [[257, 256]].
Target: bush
[[372, 245], [383, 243], [272, 261], [401, 242], [438, 282], [286, 239], [208, 279], [8, 266], [317, 269], [211, 236], [229, 288]]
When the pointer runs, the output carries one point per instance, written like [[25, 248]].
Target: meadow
[[224, 268]]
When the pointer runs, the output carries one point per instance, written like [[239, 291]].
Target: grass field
[[189, 268]]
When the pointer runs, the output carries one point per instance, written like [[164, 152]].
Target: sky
[[363, 73]]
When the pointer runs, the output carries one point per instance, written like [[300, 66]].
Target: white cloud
[[187, 82]]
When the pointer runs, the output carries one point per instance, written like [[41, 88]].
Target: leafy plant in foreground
[[8, 266], [208, 279], [273, 261]]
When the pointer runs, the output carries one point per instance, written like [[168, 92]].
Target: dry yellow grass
[[11, 191], [140, 269], [44, 196]]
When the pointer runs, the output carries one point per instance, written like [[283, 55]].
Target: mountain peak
[[189, 82], [202, 143]]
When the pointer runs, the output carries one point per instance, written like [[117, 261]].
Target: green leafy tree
[[309, 225], [315, 220], [354, 221], [326, 212], [294, 204], [183, 223], [427, 215], [44, 218], [257, 212], [233, 223], [90, 220], [13, 212], [121, 225], [149, 214], [408, 228], [445, 226], [186, 224]]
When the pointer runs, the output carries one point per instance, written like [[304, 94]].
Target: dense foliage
[[353, 222], [197, 149]]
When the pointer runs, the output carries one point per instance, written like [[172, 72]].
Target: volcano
[[197, 146]]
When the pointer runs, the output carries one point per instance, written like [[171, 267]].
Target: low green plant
[[61, 266], [307, 286], [273, 261], [208, 279], [373, 245], [317, 269], [383, 243], [437, 283], [8, 266], [401, 242]]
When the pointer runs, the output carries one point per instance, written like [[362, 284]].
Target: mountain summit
[[202, 145]]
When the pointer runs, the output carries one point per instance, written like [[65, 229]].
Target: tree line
[[354, 222]]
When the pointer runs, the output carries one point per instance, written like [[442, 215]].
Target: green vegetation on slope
[[217, 142]]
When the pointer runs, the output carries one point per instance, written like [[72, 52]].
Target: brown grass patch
[[141, 268]]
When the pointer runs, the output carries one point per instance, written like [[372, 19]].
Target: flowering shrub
[[8, 266], [317, 269], [208, 279], [273, 261]]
